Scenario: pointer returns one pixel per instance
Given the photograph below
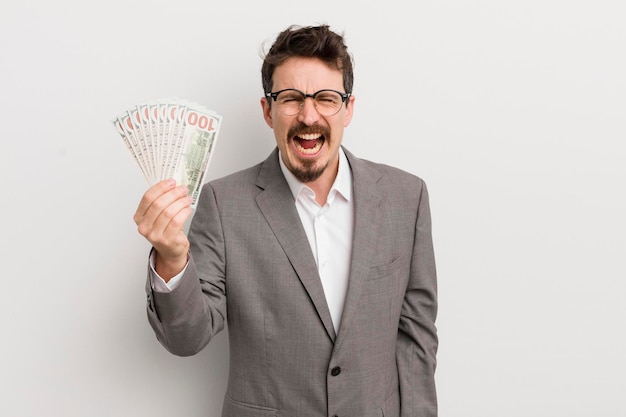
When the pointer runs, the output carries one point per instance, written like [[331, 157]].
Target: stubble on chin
[[308, 171]]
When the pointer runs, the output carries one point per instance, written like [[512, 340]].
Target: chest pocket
[[382, 271]]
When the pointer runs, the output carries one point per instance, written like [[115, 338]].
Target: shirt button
[[335, 371]]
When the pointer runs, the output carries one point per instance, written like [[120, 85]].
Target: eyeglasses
[[291, 101]]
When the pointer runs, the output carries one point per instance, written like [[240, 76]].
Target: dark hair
[[309, 42]]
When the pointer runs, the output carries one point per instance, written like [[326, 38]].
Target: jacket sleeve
[[417, 335], [185, 319]]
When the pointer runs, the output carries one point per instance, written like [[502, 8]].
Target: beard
[[308, 171]]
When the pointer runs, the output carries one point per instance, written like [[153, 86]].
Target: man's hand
[[160, 218]]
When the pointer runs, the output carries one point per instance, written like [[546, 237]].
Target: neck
[[322, 185]]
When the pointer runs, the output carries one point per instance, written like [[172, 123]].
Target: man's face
[[309, 142]]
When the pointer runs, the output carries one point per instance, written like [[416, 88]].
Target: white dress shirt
[[329, 230]]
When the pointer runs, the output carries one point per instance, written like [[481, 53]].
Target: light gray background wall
[[512, 111]]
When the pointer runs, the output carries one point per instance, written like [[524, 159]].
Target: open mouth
[[308, 144]]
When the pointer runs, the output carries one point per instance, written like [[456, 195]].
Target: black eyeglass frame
[[274, 95]]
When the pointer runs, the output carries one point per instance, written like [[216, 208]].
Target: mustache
[[302, 129]]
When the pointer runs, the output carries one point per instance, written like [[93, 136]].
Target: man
[[322, 262]]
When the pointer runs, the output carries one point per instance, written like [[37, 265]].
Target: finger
[[178, 221], [147, 220], [151, 195], [168, 221]]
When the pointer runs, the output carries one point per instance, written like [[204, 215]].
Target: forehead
[[306, 74]]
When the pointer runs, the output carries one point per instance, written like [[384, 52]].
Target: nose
[[308, 115]]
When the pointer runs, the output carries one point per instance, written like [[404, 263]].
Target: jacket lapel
[[366, 213], [277, 205]]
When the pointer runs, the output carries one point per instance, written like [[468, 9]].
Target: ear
[[267, 112], [347, 116]]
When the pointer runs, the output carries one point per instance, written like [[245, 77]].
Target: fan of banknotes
[[171, 138]]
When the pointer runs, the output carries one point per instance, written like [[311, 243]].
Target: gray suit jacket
[[251, 262]]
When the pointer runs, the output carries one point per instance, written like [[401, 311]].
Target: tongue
[[307, 144]]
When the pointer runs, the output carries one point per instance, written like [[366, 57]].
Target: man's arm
[[186, 318], [417, 335]]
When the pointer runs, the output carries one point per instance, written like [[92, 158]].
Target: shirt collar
[[342, 184]]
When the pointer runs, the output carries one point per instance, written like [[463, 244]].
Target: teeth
[[310, 136]]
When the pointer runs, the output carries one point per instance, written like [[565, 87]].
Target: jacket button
[[335, 371]]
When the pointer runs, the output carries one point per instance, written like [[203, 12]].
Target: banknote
[[170, 138]]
